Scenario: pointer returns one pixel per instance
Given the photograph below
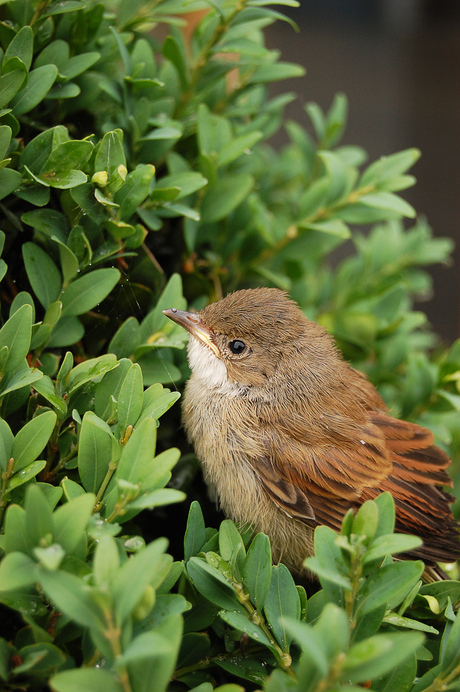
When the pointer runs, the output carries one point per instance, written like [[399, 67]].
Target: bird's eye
[[237, 346]]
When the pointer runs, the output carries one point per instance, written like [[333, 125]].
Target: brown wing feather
[[319, 483]]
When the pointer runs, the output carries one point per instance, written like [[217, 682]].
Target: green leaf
[[17, 571], [38, 517], [244, 624], [334, 626], [143, 646], [88, 679], [66, 332], [174, 50], [158, 668], [79, 63], [213, 585], [49, 221], [328, 558], [96, 449], [389, 202], [72, 597], [106, 562], [138, 452], [400, 678], [135, 190], [230, 540], [135, 575], [87, 292], [42, 273], [171, 296], [130, 398], [237, 147], [313, 650], [450, 656], [185, 183], [39, 83], [63, 7], [89, 370], [257, 570], [388, 167], [9, 180], [70, 521], [32, 439], [331, 227], [225, 196], [16, 334], [110, 156], [66, 157], [390, 544], [6, 444], [50, 557], [22, 46], [10, 83], [273, 72], [157, 498], [26, 474], [157, 408], [126, 339], [195, 536], [388, 585], [282, 602], [379, 654]]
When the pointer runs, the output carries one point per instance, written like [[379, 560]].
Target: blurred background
[[398, 61]]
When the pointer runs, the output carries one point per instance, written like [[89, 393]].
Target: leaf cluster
[[137, 174]]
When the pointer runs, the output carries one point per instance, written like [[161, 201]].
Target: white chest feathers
[[205, 365]]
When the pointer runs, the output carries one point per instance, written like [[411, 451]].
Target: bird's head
[[243, 338]]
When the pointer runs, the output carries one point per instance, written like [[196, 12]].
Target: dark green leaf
[[213, 585], [130, 398], [43, 274], [9, 179], [138, 452], [39, 83], [225, 196], [378, 655], [87, 292], [31, 439], [257, 570], [282, 602], [195, 537], [22, 46], [10, 83], [135, 575], [15, 335], [389, 584], [96, 449]]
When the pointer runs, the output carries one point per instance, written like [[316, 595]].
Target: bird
[[290, 436]]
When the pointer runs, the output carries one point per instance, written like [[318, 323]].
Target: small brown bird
[[291, 436]]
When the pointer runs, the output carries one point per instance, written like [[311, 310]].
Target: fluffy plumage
[[291, 436]]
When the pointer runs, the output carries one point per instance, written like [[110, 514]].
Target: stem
[[6, 475], [441, 683], [284, 659], [113, 634], [107, 478]]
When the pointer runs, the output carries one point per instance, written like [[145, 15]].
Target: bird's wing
[[419, 472], [318, 483]]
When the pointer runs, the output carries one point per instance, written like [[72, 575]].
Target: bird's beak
[[192, 323]]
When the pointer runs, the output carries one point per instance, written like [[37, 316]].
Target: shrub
[[136, 169]]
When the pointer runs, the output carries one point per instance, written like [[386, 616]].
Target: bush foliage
[[136, 169]]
